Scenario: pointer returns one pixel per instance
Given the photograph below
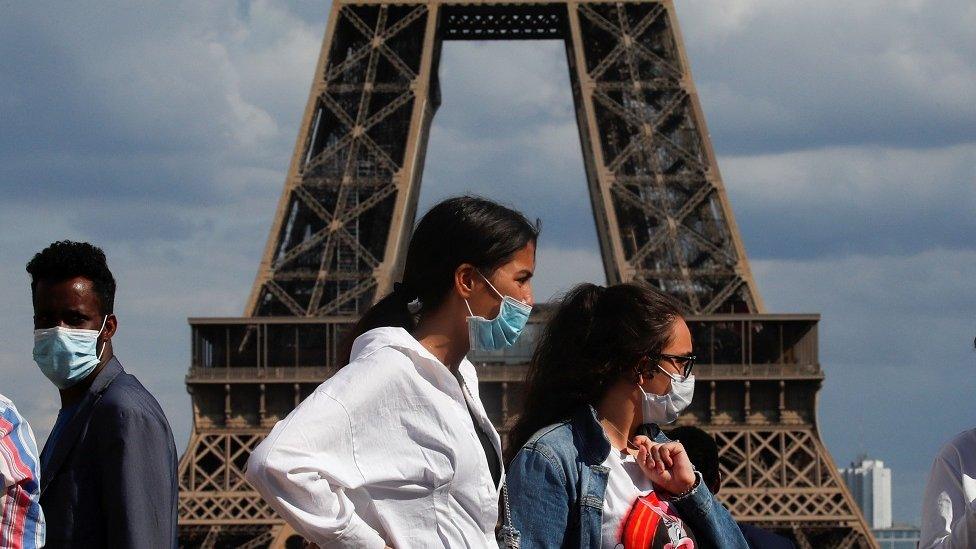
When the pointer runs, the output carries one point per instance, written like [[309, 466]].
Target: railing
[[727, 346], [266, 343], [306, 374], [292, 348], [755, 339], [764, 371]]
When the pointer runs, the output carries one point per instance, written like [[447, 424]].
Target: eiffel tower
[[662, 215]]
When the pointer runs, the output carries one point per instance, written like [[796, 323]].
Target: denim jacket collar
[[596, 445]]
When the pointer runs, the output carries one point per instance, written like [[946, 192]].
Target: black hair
[[702, 452], [464, 229], [596, 336], [66, 259]]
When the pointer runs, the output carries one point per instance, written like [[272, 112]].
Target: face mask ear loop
[[104, 343], [468, 305], [639, 386], [671, 377], [500, 296]]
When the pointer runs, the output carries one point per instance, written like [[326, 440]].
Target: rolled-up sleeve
[[303, 469]]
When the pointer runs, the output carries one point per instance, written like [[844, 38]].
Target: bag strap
[[510, 536]]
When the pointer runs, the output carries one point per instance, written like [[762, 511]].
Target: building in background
[[899, 536], [870, 484]]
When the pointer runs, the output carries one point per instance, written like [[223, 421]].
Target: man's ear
[[111, 326], [465, 277]]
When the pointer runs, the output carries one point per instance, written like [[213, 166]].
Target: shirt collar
[[429, 366]]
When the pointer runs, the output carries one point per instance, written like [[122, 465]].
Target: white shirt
[[625, 483], [383, 453], [949, 503]]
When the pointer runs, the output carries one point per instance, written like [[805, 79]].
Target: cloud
[[506, 130], [558, 270], [152, 103], [896, 339], [782, 76], [854, 200], [157, 133]]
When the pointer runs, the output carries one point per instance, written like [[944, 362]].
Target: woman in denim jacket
[[592, 468]]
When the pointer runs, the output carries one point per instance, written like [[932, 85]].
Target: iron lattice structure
[[662, 215]]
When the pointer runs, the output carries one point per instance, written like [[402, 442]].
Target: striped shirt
[[21, 518]]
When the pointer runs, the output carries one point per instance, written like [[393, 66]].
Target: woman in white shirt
[[396, 449]]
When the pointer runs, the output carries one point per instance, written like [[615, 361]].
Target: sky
[[845, 134]]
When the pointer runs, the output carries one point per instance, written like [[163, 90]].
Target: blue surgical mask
[[501, 331], [67, 355]]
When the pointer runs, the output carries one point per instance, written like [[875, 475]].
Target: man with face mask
[[108, 468]]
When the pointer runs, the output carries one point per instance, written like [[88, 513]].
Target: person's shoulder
[[10, 418], [7, 409], [379, 365], [382, 369], [385, 357], [5, 403], [127, 399], [553, 445], [555, 439], [963, 445], [965, 439]]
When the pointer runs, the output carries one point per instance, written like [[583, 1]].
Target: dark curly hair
[[595, 337], [67, 259]]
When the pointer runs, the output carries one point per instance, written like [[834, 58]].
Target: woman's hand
[[666, 465]]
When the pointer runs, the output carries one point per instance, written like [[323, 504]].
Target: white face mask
[[664, 409]]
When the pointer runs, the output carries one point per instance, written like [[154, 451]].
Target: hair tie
[[407, 296]]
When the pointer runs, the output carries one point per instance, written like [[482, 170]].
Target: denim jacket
[[556, 486]]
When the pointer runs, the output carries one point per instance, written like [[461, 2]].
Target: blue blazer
[[111, 477]]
